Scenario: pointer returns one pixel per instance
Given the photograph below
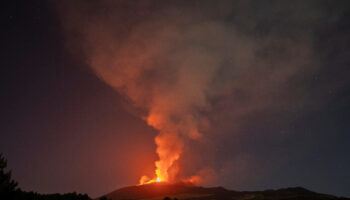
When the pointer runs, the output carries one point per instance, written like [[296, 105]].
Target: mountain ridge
[[182, 191]]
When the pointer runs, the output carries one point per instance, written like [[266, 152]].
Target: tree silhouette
[[10, 191], [7, 185]]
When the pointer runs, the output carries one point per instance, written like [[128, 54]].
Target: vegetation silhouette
[[9, 189], [7, 185]]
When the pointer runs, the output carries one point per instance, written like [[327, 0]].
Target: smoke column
[[186, 64]]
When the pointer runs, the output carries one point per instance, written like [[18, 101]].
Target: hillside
[[158, 191]]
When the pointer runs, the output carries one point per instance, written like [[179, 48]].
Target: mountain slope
[[158, 191]]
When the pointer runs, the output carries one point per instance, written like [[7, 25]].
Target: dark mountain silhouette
[[180, 191]]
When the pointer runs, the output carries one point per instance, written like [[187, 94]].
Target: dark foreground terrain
[[9, 190], [159, 191]]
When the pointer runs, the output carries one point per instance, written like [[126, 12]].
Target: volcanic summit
[[188, 191]]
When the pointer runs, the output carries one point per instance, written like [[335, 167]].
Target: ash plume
[[195, 68]]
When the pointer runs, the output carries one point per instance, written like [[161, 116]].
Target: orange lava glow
[[169, 141], [146, 180], [169, 149], [157, 179]]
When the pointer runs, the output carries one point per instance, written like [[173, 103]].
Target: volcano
[[181, 191]]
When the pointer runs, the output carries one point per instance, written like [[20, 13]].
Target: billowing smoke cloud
[[195, 68]]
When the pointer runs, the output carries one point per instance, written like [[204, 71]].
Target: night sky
[[274, 111]]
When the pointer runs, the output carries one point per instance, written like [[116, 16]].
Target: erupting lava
[[146, 180], [169, 149]]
